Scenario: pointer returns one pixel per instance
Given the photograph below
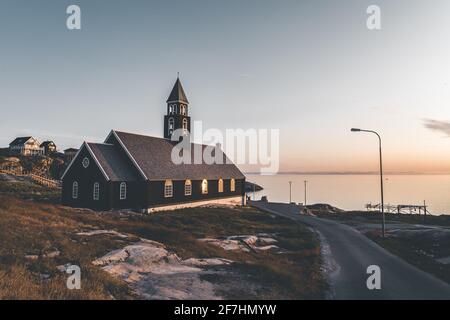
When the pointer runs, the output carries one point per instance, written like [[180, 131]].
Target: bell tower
[[177, 116]]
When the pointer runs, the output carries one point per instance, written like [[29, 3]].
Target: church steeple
[[177, 111], [177, 94]]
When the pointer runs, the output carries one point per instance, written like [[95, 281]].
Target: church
[[133, 171]]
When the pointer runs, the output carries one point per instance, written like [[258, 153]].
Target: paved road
[[348, 253]]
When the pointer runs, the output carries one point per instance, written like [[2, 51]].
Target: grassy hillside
[[32, 227]]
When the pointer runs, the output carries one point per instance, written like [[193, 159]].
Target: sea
[[354, 191]]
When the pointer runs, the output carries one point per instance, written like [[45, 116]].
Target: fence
[[34, 177]]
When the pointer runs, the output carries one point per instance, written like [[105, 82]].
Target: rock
[[52, 254], [207, 262], [100, 232], [44, 276], [250, 187], [155, 273], [244, 243], [64, 267]]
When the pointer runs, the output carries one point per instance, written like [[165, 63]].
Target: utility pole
[[424, 211]]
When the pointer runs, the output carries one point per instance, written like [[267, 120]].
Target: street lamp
[[383, 228], [305, 182], [290, 192]]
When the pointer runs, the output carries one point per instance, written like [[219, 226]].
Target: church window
[[188, 188], [204, 186], [123, 191], [168, 189], [96, 194], [171, 125], [220, 186], [75, 190]]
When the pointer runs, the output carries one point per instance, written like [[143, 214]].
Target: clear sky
[[309, 68]]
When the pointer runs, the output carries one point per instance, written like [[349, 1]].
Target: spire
[[177, 94]]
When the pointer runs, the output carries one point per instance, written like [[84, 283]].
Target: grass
[[418, 253], [32, 223], [30, 191]]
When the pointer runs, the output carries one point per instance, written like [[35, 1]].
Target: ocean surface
[[353, 192]]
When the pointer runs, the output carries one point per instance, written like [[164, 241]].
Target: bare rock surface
[[155, 273], [244, 243]]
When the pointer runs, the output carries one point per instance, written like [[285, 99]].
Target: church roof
[[177, 93], [114, 164], [153, 157]]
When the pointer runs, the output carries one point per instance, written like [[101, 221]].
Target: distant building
[[26, 146], [49, 147], [69, 154], [131, 171]]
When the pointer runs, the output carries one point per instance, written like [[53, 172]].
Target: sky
[[311, 69]]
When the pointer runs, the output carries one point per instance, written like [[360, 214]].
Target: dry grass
[[31, 227]]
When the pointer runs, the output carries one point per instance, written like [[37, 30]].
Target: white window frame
[[168, 189], [232, 185], [123, 191], [204, 186], [85, 162], [75, 190], [188, 188], [185, 124], [220, 185], [96, 191]]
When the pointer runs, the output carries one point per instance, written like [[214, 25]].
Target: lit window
[[123, 191], [96, 191], [168, 189], [205, 186], [188, 188], [75, 190], [220, 185], [232, 185]]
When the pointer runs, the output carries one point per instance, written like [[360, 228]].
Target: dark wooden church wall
[[156, 191], [86, 177]]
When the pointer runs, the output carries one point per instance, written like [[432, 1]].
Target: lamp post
[[305, 182], [290, 192], [383, 223]]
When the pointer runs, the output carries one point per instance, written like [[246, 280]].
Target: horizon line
[[348, 173]]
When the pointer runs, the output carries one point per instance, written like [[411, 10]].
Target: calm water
[[352, 192]]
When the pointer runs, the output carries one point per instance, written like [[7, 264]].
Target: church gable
[[84, 166]]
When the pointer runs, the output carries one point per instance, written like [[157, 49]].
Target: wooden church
[[132, 171]]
